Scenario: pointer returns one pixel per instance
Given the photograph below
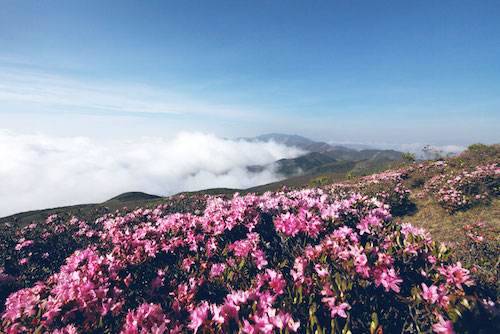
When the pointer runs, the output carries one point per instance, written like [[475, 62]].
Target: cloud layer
[[39, 171]]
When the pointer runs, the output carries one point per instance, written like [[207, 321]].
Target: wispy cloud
[[39, 171], [26, 89]]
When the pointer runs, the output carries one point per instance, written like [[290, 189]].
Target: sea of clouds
[[40, 171]]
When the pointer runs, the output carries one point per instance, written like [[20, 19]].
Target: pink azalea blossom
[[321, 270], [217, 269], [388, 279], [443, 326], [147, 318], [456, 275], [334, 308], [430, 294], [276, 281], [198, 316]]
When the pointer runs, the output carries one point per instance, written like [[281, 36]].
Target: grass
[[448, 227]]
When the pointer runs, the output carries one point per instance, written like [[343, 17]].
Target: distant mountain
[[302, 164], [290, 140], [358, 147], [303, 143], [322, 156]]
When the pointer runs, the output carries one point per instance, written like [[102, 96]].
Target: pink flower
[[443, 326], [217, 269], [430, 294], [443, 298], [147, 318], [388, 279], [277, 282], [187, 263], [336, 309], [198, 316], [298, 269], [22, 303], [360, 261], [284, 321], [321, 270], [363, 227], [365, 223], [248, 328], [385, 259], [23, 244], [262, 324], [217, 315], [259, 258], [69, 329], [242, 248], [288, 224], [456, 275]]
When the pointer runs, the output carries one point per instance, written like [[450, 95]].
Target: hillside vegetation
[[410, 249]]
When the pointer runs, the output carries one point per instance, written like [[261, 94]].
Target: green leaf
[[374, 323]]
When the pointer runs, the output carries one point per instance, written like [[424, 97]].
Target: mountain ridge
[[319, 154]]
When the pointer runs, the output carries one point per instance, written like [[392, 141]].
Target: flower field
[[314, 260]]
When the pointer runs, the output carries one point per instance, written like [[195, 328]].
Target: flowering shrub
[[459, 191], [38, 250], [35, 251], [291, 261], [479, 251], [387, 187]]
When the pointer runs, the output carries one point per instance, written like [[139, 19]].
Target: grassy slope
[[449, 227], [484, 257]]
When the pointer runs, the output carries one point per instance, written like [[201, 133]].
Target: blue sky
[[360, 71]]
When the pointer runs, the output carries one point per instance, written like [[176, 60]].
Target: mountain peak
[[133, 196], [284, 138]]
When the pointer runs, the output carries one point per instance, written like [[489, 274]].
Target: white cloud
[[39, 171]]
